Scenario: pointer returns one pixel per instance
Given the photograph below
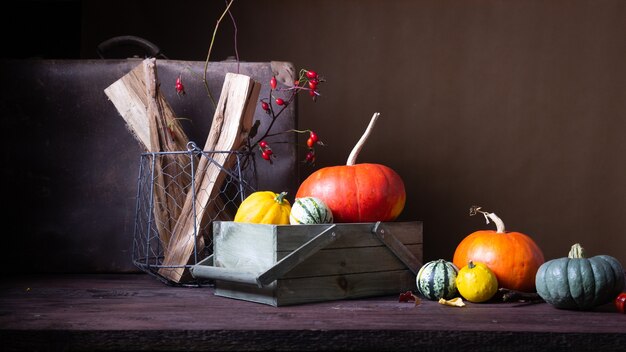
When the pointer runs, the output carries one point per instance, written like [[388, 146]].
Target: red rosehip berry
[[310, 157], [310, 142], [265, 155], [265, 106], [180, 88], [311, 74], [263, 144], [313, 136], [620, 302], [273, 82], [280, 101]]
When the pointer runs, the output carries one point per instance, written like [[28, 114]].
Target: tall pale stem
[[359, 145]]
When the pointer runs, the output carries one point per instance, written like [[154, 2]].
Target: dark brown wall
[[518, 106]]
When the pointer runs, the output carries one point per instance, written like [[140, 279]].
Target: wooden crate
[[294, 264]]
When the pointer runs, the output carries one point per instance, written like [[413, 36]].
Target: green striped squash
[[437, 279], [310, 210]]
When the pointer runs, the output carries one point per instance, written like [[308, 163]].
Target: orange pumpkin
[[357, 192], [514, 257]]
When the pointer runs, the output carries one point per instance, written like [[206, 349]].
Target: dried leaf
[[418, 301], [409, 296], [455, 302], [406, 297]]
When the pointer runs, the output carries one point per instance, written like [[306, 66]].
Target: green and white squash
[[579, 283], [310, 210], [437, 279]]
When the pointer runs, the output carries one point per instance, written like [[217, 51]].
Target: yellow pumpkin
[[264, 207]]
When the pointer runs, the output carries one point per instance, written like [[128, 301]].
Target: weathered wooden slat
[[342, 260], [245, 292], [351, 260], [350, 286], [246, 247], [298, 256], [358, 235], [321, 288]]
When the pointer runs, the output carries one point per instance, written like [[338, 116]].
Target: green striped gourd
[[437, 279], [310, 210]]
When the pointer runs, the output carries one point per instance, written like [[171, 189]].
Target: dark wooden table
[[129, 312]]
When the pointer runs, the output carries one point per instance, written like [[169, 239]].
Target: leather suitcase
[[70, 165]]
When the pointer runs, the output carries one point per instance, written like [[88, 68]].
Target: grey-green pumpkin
[[578, 283], [437, 279]]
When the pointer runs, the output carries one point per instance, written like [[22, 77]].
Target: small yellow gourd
[[476, 282], [264, 207]]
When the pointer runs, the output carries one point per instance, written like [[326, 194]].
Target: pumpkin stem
[[577, 251], [359, 145], [280, 197], [496, 220]]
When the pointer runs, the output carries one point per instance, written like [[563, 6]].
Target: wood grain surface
[[137, 312]]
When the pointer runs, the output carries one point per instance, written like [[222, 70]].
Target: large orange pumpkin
[[514, 257], [357, 192]]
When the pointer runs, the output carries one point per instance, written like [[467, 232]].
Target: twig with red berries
[[311, 142], [278, 100]]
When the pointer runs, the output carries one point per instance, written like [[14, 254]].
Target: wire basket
[[166, 188]]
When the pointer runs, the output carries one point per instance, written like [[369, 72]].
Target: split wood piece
[[153, 123], [229, 129], [130, 97], [172, 172]]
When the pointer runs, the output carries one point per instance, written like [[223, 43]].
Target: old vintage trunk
[[83, 185]]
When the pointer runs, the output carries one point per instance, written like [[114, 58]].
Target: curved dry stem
[[208, 56], [496, 220], [359, 145]]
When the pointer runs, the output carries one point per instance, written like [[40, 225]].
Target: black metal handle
[[147, 46]]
